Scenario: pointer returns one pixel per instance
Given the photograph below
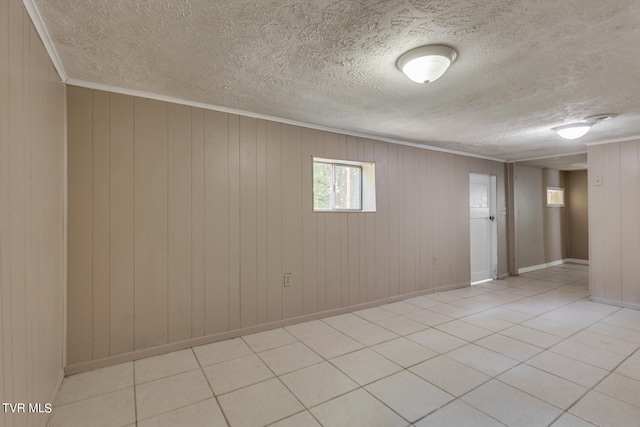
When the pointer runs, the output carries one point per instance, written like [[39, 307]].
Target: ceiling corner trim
[[148, 95], [548, 157], [36, 18], [613, 141]]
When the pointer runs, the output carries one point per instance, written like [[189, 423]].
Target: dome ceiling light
[[426, 64], [578, 130]]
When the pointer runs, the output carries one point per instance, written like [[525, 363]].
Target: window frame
[[332, 196], [551, 190]]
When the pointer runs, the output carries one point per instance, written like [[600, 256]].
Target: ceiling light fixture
[[577, 130], [426, 64]]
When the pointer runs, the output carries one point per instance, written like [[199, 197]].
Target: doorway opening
[[483, 227]]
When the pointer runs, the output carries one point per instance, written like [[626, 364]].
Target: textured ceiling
[[572, 162], [524, 66]]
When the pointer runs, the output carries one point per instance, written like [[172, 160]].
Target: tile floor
[[526, 351]]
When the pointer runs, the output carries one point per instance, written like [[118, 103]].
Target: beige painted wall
[[577, 215], [614, 228], [31, 218], [182, 222], [540, 230]]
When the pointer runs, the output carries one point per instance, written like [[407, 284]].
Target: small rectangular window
[[343, 186], [337, 187], [555, 197]]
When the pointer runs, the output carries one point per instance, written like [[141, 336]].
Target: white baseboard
[[552, 264], [616, 303], [54, 395]]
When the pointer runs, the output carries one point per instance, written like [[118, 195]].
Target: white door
[[483, 227]]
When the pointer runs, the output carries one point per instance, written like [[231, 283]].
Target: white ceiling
[[524, 66]]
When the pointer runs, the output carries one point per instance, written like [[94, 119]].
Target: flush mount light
[[577, 130], [427, 63], [574, 130]]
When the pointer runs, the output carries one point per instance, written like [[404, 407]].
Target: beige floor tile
[[444, 297], [153, 368], [487, 322], [365, 366], [259, 404], [345, 321], [472, 305], [603, 410], [567, 368], [422, 301], [451, 376], [409, 395], [550, 388], [113, 409], [333, 345], [370, 334], [311, 329], [604, 342], [616, 332], [511, 406], [463, 330], [95, 383], [203, 414], [301, 419], [451, 310], [429, 318], [626, 318], [506, 314], [531, 336], [621, 388], [404, 352], [357, 409], [550, 327], [458, 414], [222, 351], [166, 394], [568, 420], [267, 340], [509, 347], [482, 359], [400, 307], [435, 340], [374, 313], [289, 358], [318, 383], [401, 325], [630, 367], [588, 354], [237, 373]]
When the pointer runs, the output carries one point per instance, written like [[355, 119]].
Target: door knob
[[491, 217]]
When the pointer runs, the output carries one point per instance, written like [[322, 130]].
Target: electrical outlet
[[435, 260], [287, 280]]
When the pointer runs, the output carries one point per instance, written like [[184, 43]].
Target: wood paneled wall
[[541, 231], [182, 222], [577, 214], [614, 228], [32, 245]]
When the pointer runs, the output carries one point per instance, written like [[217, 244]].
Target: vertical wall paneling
[[309, 226], [32, 214], [612, 229], [261, 212], [80, 246], [321, 235], [100, 224], [179, 222], [274, 221], [197, 222], [205, 212], [382, 219], [333, 258], [234, 221], [292, 220], [248, 222], [121, 224], [353, 237], [630, 206], [216, 222], [150, 223]]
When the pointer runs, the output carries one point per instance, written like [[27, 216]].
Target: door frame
[[493, 229]]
